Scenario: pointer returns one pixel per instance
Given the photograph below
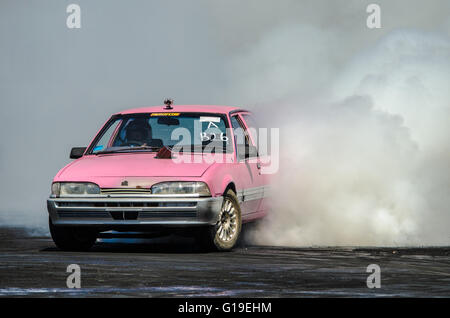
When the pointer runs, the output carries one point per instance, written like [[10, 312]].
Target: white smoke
[[365, 150]]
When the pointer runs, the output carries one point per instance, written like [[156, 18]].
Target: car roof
[[183, 108]]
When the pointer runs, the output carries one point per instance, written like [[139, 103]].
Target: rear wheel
[[225, 233], [71, 238]]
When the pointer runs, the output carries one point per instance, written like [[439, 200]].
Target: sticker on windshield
[[164, 114], [210, 119], [204, 136]]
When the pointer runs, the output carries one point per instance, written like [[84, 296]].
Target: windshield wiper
[[143, 148], [129, 149], [215, 149], [200, 148]]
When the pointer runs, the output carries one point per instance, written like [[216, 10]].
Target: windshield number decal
[[204, 136]]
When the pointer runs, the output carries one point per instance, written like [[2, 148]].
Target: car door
[[263, 156], [251, 182]]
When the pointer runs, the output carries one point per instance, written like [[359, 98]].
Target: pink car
[[191, 170]]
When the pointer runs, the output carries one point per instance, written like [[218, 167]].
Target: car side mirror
[[247, 151], [77, 152]]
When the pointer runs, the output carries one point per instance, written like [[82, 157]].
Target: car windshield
[[150, 132]]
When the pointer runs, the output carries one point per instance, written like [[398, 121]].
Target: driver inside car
[[139, 134], [136, 137]]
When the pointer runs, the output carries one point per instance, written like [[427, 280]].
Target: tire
[[224, 235], [71, 238]]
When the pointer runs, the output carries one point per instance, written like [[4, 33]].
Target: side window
[[259, 138], [241, 136], [239, 131], [252, 127]]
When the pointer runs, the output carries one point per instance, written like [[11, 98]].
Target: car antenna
[[168, 102]]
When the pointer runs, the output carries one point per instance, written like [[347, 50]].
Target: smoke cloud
[[363, 114], [365, 162]]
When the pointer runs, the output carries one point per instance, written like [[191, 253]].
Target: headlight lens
[[74, 188], [181, 188], [55, 189]]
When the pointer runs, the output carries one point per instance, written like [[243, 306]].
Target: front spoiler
[[136, 212]]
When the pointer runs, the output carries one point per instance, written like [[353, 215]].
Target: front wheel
[[72, 239], [225, 233]]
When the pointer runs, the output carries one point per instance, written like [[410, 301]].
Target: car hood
[[130, 165]]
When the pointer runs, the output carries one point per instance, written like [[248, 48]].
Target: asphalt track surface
[[32, 266]]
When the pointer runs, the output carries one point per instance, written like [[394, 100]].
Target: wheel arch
[[230, 186], [226, 184]]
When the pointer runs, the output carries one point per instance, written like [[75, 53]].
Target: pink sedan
[[186, 169]]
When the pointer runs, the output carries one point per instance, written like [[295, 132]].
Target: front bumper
[[135, 211]]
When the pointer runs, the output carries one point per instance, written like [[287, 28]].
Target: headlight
[[181, 188], [55, 189], [74, 188]]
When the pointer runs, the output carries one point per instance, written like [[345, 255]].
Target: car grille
[[121, 215], [179, 214], [126, 210], [87, 214], [118, 204], [126, 191]]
